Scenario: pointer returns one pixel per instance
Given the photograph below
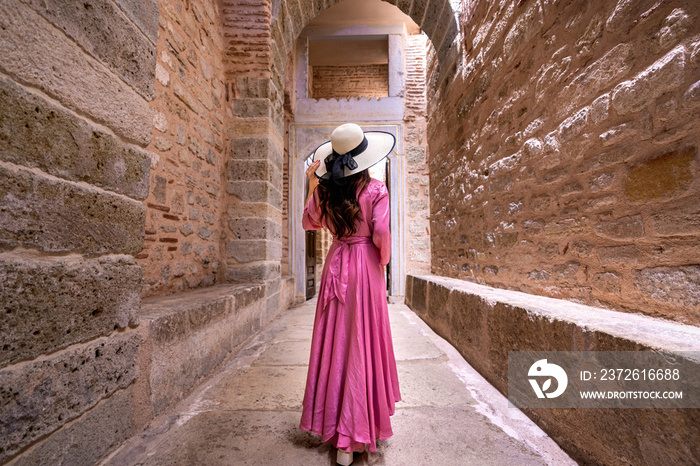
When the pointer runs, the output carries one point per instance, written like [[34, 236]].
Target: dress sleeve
[[312, 214], [381, 235]]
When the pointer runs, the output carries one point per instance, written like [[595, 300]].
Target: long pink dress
[[352, 383]]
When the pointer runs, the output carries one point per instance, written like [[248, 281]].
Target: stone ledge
[[485, 323], [190, 334]]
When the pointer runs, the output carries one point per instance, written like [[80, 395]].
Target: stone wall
[[74, 119], [485, 323], [416, 48], [184, 208], [564, 159], [328, 82]]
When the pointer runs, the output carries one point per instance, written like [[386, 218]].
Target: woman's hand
[[311, 175]]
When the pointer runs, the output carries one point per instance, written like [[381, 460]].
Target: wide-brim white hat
[[365, 148]]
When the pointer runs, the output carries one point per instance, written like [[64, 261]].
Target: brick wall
[[246, 32], [564, 156], [183, 208], [417, 180], [337, 82]]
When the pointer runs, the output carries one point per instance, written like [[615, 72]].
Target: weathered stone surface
[[36, 133], [255, 228], [415, 154], [616, 255], [50, 61], [691, 98], [255, 191], [192, 333], [87, 439], [503, 321], [619, 133], [432, 16], [664, 75], [111, 38], [254, 250], [679, 285], [42, 395], [621, 228], [247, 273], [253, 148], [252, 108], [144, 13], [52, 302], [523, 31], [252, 170], [677, 221], [607, 282], [626, 14], [661, 177], [43, 212], [596, 77]]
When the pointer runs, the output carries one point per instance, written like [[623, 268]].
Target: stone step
[[187, 336]]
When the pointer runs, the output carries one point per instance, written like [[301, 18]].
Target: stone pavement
[[248, 414]]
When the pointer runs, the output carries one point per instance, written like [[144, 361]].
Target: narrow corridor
[[249, 412]]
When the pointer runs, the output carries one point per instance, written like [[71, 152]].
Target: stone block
[[254, 148], [252, 170], [597, 76], [252, 108], [622, 228], [111, 38], [419, 297], [42, 212], [677, 285], [447, 52], [619, 133], [252, 273], [50, 303], [48, 60], [526, 27], [253, 250], [607, 282], [432, 17], [617, 255], [677, 220], [670, 174], [40, 396], [439, 309], [144, 13], [255, 191], [574, 125], [87, 439], [255, 228], [626, 14], [417, 11], [252, 88], [664, 75], [192, 334], [691, 97], [415, 154], [37, 133]]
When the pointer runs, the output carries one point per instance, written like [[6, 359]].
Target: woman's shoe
[[344, 458]]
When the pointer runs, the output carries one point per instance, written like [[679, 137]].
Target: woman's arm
[[311, 220], [381, 234]]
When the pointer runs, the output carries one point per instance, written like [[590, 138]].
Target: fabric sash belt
[[336, 283]]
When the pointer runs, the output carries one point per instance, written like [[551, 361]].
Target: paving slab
[[248, 413]]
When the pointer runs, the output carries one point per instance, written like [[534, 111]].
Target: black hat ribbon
[[335, 161]]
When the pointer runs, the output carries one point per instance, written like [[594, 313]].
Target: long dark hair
[[339, 205]]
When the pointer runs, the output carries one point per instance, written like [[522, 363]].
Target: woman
[[352, 383]]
